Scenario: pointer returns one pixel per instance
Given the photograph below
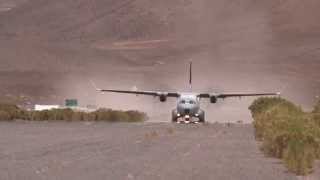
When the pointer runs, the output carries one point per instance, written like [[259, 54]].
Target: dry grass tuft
[[9, 112], [151, 135], [170, 131], [287, 132]]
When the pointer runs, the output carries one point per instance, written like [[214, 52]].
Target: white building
[[39, 107]]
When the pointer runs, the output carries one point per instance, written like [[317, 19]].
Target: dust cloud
[[54, 48]]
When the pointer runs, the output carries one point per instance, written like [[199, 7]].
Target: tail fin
[[190, 76]]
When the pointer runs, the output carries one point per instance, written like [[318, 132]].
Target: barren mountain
[[51, 49]]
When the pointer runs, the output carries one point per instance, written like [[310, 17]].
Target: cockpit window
[[187, 102]]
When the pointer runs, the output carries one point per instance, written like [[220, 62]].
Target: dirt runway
[[80, 150]]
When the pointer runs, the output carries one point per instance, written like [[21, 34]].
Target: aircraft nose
[[187, 111]]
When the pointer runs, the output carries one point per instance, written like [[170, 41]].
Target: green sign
[[71, 102]]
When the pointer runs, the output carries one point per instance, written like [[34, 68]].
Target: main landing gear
[[187, 119]]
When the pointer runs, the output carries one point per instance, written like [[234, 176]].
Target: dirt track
[[51, 49], [133, 151]]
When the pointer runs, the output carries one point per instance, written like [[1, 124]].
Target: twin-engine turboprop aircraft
[[188, 103]]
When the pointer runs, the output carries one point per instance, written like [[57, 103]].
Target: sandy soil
[[76, 150]]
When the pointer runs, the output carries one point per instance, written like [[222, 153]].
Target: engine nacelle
[[163, 97], [213, 99]]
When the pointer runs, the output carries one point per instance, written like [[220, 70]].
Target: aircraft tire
[[174, 117], [202, 117]]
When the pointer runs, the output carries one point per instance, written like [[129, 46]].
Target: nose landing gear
[[188, 119]]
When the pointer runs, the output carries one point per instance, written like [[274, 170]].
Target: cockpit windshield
[[187, 102]]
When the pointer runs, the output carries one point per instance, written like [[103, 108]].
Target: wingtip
[[278, 93], [94, 86]]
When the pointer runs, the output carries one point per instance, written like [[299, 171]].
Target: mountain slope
[[53, 48]]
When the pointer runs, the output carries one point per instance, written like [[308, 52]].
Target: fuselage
[[188, 104]]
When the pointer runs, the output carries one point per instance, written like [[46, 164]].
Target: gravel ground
[[79, 150]]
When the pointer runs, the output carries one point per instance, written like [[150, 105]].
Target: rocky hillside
[[50, 49]]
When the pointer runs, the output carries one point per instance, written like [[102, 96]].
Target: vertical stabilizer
[[190, 76]]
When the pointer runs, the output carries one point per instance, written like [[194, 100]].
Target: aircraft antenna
[[190, 76]]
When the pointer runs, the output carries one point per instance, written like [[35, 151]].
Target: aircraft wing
[[149, 93], [137, 92], [227, 95]]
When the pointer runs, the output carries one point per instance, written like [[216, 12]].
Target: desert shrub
[[287, 132], [103, 114], [89, 117], [119, 116], [77, 116], [316, 118], [316, 113], [269, 113], [300, 152], [67, 114], [316, 108], [136, 116], [4, 116], [11, 112], [116, 116]]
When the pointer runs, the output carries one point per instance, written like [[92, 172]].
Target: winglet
[[94, 86]]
